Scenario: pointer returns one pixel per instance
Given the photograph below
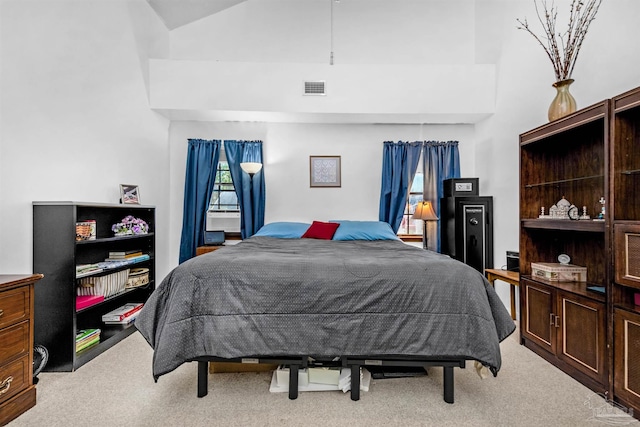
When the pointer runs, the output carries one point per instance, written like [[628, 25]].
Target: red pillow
[[321, 230]]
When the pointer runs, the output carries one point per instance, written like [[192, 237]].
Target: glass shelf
[[563, 181], [630, 172]]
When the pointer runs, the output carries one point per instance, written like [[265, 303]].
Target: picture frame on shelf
[[324, 171], [129, 194]]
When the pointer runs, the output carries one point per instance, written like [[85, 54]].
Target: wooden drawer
[[14, 341], [14, 306], [14, 377], [626, 241]]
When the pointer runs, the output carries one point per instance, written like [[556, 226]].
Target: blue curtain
[[399, 163], [202, 162], [441, 160], [251, 195]]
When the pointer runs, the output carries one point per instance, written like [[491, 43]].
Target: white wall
[[364, 32], [286, 151], [75, 117]]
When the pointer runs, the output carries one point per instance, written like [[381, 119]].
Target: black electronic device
[[455, 187], [213, 238], [513, 261]]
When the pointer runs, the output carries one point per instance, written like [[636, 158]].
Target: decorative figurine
[[541, 212], [601, 215], [584, 213], [558, 211]]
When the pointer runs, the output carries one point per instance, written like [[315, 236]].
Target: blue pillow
[[283, 230], [364, 230]]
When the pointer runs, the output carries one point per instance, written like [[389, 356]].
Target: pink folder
[[88, 300]]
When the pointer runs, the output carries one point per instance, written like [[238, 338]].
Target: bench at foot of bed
[[352, 363]]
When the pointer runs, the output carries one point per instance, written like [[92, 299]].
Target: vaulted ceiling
[[175, 13]]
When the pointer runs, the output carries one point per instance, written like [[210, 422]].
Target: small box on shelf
[[557, 272], [137, 277], [86, 230]]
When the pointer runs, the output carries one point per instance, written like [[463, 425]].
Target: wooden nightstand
[[206, 249], [17, 391]]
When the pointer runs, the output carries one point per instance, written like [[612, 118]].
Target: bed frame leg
[[448, 383], [293, 382], [355, 382], [203, 379]]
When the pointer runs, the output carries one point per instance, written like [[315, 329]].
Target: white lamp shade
[[424, 211], [251, 167]]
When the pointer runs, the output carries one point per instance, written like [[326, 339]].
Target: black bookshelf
[[56, 254]]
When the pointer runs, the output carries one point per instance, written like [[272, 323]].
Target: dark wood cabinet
[[625, 219], [565, 322], [592, 153], [570, 327], [17, 390], [56, 253], [626, 384]]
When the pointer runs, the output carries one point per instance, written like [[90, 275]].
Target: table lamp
[[424, 211]]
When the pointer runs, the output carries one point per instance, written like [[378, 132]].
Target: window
[[224, 197], [414, 196]]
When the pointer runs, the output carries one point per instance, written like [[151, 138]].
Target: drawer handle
[[4, 386]]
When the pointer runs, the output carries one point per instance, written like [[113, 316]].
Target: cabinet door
[[627, 254], [539, 317], [582, 334], [626, 379]]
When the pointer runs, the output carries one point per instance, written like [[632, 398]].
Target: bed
[[360, 296]]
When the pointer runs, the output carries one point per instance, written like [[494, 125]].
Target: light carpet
[[117, 389]]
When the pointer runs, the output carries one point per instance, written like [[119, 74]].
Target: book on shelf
[[84, 333], [123, 252], [83, 270], [117, 256], [123, 314], [84, 301], [87, 345], [86, 338], [115, 263], [124, 321]]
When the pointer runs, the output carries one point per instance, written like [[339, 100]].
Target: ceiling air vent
[[314, 87]]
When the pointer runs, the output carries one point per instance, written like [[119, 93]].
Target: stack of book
[[86, 338], [123, 315], [123, 255], [111, 263]]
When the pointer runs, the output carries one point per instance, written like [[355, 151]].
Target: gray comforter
[[291, 297]]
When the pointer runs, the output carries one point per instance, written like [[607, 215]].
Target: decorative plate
[[564, 259]]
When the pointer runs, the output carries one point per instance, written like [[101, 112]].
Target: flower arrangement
[[130, 225], [563, 48]]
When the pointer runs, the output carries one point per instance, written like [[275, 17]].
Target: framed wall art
[[324, 171], [129, 194]]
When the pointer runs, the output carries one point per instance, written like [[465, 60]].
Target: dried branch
[[563, 48]]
